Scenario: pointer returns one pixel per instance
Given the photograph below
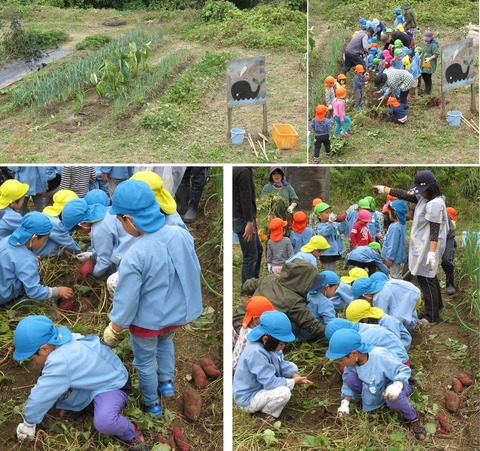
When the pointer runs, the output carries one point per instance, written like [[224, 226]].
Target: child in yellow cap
[[12, 197]]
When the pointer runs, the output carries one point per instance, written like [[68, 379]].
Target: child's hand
[[344, 408], [25, 430], [65, 292], [111, 337], [301, 380]]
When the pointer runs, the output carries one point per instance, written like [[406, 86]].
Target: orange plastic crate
[[284, 136]]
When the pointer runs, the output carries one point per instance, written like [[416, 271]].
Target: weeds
[[93, 42]]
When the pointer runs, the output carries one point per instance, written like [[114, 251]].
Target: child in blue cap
[[367, 257], [263, 381], [394, 250], [109, 240], [158, 289], [19, 277], [376, 374], [12, 197], [76, 371]]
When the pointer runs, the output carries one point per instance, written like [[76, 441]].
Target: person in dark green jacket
[[288, 294], [278, 186], [428, 61]]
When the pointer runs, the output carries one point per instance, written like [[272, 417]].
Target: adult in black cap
[[428, 237], [395, 79], [356, 49], [389, 38]]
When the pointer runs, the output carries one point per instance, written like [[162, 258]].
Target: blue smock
[[395, 244], [10, 221], [58, 241]]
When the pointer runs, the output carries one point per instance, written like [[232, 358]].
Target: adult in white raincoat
[[427, 237]]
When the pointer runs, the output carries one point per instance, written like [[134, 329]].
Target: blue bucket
[[453, 118], [237, 135]]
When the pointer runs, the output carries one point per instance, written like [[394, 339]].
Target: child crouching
[[398, 111]]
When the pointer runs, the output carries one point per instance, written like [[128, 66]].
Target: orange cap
[[359, 69], [276, 226], [341, 92], [320, 112], [392, 101], [299, 221], [452, 213], [341, 77], [255, 306], [329, 81], [316, 201]]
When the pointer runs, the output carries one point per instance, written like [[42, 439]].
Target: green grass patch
[[93, 42]]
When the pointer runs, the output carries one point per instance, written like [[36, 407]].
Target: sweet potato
[[192, 403], [86, 268], [342, 216], [457, 386], [451, 401], [444, 424], [199, 377], [67, 305], [210, 368], [162, 439], [441, 431], [464, 379], [180, 440], [85, 305]]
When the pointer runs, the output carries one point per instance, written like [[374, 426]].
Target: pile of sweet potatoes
[[452, 400]]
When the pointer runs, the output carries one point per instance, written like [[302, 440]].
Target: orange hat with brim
[[255, 306], [299, 222], [316, 201], [320, 112], [276, 226], [341, 93], [392, 101], [452, 213]]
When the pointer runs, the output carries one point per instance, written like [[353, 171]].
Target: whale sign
[[246, 82], [457, 64], [246, 85]]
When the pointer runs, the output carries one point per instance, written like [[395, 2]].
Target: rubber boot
[[182, 197], [191, 214]]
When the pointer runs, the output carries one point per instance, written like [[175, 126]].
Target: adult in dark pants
[[428, 237], [245, 222], [389, 39], [447, 257], [356, 49], [190, 191], [395, 79], [428, 60]]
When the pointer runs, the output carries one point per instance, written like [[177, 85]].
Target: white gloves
[[344, 409], [332, 217], [379, 188], [431, 260], [111, 337], [269, 267], [84, 256], [392, 392], [112, 283], [428, 58], [25, 430], [290, 209]]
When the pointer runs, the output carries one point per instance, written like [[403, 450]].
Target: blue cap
[[33, 223], [344, 341], [275, 324], [136, 198], [360, 287], [77, 211], [97, 196], [329, 278], [422, 181], [35, 331], [377, 281], [337, 324], [397, 11], [318, 282], [400, 208]]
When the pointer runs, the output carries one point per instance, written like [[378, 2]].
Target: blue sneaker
[[166, 389], [155, 409]]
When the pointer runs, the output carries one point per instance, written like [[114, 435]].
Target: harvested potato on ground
[[464, 379], [444, 423], [192, 403], [86, 268], [451, 401], [162, 439], [210, 368], [199, 377], [180, 440], [457, 386]]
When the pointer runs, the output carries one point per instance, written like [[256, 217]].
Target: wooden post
[[443, 113], [265, 126], [473, 105], [229, 122]]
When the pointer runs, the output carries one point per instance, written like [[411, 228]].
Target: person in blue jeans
[[245, 222], [158, 290]]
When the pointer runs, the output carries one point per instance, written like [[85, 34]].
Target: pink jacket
[[338, 106]]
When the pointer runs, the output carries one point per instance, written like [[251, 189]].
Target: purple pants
[[106, 417], [401, 404]]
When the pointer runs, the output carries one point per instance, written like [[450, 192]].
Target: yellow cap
[[354, 274], [60, 198], [316, 242], [10, 191], [360, 308], [154, 181]]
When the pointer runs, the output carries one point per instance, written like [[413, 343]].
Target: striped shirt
[[78, 179]]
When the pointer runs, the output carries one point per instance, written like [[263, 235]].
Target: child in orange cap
[[255, 306], [359, 79], [329, 91], [398, 111], [301, 233], [321, 127], [279, 247], [338, 106]]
